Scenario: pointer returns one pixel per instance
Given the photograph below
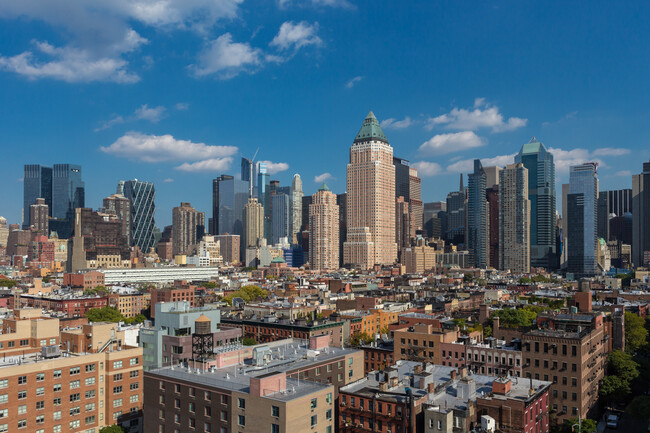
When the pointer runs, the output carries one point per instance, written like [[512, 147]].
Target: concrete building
[[163, 274], [370, 199], [253, 223], [541, 192], [39, 216], [120, 206], [230, 247], [641, 216], [402, 223], [188, 227], [582, 202], [296, 208], [514, 219], [324, 230], [419, 258], [169, 342]]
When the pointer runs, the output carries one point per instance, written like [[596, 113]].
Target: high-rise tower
[[324, 230], [143, 208], [541, 191], [37, 183], [477, 238], [188, 227], [68, 191], [514, 219], [582, 202], [253, 223], [370, 199], [296, 208], [641, 217]]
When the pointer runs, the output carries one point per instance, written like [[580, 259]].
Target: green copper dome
[[324, 187], [371, 130], [278, 259], [532, 146]]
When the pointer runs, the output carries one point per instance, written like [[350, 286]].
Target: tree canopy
[[110, 314], [360, 338], [516, 317], [113, 429], [247, 293], [247, 341], [635, 333], [7, 283], [622, 365]]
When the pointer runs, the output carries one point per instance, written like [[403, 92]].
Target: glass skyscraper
[[143, 209], [281, 217], [230, 195], [541, 192], [68, 191], [37, 183], [582, 202], [477, 216]]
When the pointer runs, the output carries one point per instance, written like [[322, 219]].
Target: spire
[[371, 130], [461, 183], [324, 186]]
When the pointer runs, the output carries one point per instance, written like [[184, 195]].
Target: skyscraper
[[402, 224], [456, 215], [296, 208], [229, 197], [370, 199], [120, 206], [641, 216], [514, 219], [541, 183], [38, 216], [188, 227], [68, 191], [141, 195], [435, 219], [280, 218], [37, 183], [493, 174], [253, 223], [408, 185], [582, 219], [324, 230], [477, 216], [249, 174]]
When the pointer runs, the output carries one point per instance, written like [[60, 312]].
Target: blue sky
[[176, 92]]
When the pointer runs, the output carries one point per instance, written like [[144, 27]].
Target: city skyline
[[566, 95]]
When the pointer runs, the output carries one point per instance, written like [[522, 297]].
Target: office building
[[435, 219], [341, 200], [296, 208], [143, 208], [402, 223], [230, 248], [249, 174], [120, 206], [280, 217], [541, 184], [229, 196], [641, 216], [409, 186], [68, 192], [456, 202], [514, 219], [188, 227], [370, 199], [253, 223], [37, 183], [477, 223], [39, 216], [324, 230], [582, 202]]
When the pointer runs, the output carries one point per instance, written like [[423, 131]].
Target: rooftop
[[371, 130]]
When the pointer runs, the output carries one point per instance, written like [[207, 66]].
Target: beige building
[[185, 222], [38, 216], [324, 230], [253, 222], [514, 219], [403, 225], [370, 199], [419, 259], [416, 207]]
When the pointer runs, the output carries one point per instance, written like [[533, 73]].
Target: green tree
[[622, 365], [635, 333], [113, 429], [516, 317], [247, 293], [525, 280], [247, 341], [209, 285], [586, 425], [7, 283], [360, 338], [487, 331], [639, 407], [613, 389], [105, 314], [468, 278]]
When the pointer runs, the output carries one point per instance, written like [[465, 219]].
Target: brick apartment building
[[83, 280], [180, 292]]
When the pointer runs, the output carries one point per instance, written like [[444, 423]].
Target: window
[[241, 420], [57, 387], [74, 384], [328, 398], [22, 380], [134, 373], [224, 415], [40, 377], [22, 423], [117, 376], [314, 420], [75, 411], [40, 404], [117, 402], [134, 385], [4, 383], [275, 428], [192, 407], [57, 373], [75, 397], [40, 390], [22, 409], [4, 413], [90, 419], [134, 398], [242, 404], [90, 367], [314, 403], [133, 361], [56, 429], [40, 419], [4, 428], [57, 401], [56, 415], [75, 424], [4, 398], [117, 364], [328, 414], [117, 389], [90, 394], [75, 370], [90, 407], [22, 395], [275, 411]]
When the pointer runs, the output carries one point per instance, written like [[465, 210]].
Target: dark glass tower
[[477, 216], [143, 208], [68, 192], [37, 183]]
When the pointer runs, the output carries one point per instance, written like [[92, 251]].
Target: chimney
[[431, 387], [462, 371], [393, 382], [417, 369], [531, 390], [453, 374], [383, 386]]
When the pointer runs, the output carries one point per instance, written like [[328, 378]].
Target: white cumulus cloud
[[296, 35], [322, 178], [275, 167], [482, 115], [159, 148], [467, 165], [611, 151], [153, 114], [451, 142], [392, 123], [228, 59], [353, 81], [427, 168], [213, 164]]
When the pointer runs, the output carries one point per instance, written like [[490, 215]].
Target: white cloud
[[482, 115], [392, 123], [168, 180], [451, 142], [296, 36], [115, 120], [611, 151], [69, 64], [428, 169], [624, 173], [100, 34], [317, 3], [564, 159], [467, 165], [213, 164], [275, 167], [228, 59], [153, 114], [353, 82], [182, 106], [322, 178], [158, 148]]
